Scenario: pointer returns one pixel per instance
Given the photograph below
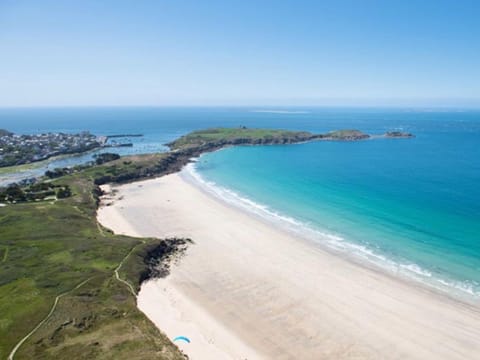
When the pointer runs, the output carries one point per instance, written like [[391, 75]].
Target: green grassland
[[201, 137], [238, 136], [48, 248]]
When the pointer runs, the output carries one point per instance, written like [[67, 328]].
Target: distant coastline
[[292, 112], [198, 142]]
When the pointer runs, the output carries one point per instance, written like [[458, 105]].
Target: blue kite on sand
[[182, 338]]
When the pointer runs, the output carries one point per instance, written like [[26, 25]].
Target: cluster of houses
[[24, 149]]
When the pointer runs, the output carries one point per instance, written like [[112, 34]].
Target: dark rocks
[[158, 257], [398, 134], [345, 135], [105, 157]]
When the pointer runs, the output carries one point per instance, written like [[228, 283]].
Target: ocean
[[408, 206]]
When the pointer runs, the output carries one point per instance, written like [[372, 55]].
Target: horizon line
[[251, 106]]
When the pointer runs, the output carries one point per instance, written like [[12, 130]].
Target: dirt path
[[15, 349], [117, 276]]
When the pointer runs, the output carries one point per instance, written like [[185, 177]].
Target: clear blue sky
[[202, 52]]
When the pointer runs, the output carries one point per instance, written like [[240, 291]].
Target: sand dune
[[246, 290]]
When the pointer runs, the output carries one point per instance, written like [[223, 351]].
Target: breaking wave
[[335, 242]]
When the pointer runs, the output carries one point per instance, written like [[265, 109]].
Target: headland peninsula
[[70, 283]]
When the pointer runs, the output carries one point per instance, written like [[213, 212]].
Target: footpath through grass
[[47, 248]]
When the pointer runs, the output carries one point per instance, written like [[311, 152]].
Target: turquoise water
[[411, 206]]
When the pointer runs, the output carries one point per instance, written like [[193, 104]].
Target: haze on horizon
[[121, 53]]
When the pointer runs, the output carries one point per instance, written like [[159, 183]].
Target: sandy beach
[[246, 290]]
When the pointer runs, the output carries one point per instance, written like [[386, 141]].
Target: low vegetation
[[218, 137], [47, 249], [238, 136], [347, 135], [15, 193], [105, 157]]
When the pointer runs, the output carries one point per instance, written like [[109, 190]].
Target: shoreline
[[260, 283], [342, 248], [16, 173]]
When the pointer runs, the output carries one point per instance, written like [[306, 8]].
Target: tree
[[64, 192], [105, 157]]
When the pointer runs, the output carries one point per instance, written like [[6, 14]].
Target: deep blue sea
[[410, 206]]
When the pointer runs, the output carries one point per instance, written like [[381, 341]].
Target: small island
[[398, 134]]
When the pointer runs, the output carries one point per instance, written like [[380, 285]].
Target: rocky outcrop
[[158, 257], [345, 135], [398, 134]]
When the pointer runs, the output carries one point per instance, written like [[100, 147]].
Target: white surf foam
[[332, 241]]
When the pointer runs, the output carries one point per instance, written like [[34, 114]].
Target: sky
[[180, 52]]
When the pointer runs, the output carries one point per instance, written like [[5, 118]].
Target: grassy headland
[[244, 136], [239, 136], [59, 266], [47, 249]]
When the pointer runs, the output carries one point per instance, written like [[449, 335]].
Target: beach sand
[[246, 290]]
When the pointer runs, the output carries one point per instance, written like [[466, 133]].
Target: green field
[[47, 249], [201, 137]]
